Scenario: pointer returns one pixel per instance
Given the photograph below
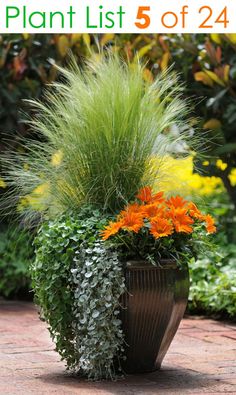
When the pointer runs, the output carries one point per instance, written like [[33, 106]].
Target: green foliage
[[16, 254], [213, 274], [26, 65], [78, 282], [213, 282], [107, 124], [50, 273], [23, 72]]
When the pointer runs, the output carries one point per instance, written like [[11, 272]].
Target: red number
[[142, 15]]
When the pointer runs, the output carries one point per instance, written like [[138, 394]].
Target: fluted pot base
[[152, 309]]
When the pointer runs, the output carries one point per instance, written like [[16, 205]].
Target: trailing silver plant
[[98, 284]]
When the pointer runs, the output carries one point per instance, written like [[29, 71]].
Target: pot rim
[[142, 264]]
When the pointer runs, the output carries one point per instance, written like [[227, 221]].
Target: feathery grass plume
[[99, 129]]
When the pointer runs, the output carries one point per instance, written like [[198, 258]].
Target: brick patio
[[201, 360]]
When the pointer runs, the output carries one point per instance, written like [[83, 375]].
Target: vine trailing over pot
[[78, 282]]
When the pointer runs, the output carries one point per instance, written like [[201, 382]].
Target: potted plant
[[157, 238], [102, 126]]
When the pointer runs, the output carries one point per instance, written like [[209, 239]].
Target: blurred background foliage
[[207, 67], [16, 253]]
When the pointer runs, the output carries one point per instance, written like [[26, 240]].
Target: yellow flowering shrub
[[221, 165], [178, 175]]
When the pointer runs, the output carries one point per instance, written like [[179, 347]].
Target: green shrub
[[213, 274], [213, 282], [16, 254]]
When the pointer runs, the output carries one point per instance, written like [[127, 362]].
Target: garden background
[[207, 67]]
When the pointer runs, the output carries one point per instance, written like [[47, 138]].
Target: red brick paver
[[201, 360]]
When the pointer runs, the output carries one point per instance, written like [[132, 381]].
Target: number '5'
[[142, 15]]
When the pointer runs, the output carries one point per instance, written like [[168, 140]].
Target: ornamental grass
[[99, 128]]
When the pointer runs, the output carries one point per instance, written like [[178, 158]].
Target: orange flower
[[181, 220], [111, 230], [132, 221], [161, 227], [176, 202], [210, 224], [158, 197], [164, 216], [132, 208], [195, 212], [152, 210], [145, 194]]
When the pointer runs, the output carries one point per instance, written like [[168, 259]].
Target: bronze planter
[[152, 309]]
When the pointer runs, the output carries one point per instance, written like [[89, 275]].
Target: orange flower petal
[[181, 221], [111, 230], [145, 194], [195, 212], [176, 202], [158, 197], [180, 227], [210, 224], [132, 208]]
